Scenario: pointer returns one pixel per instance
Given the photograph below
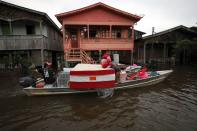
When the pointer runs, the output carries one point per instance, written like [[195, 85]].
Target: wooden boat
[[54, 90]]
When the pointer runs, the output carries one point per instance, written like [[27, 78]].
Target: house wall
[[97, 15], [19, 28]]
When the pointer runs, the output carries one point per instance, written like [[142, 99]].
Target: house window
[[30, 29], [116, 33], [103, 33], [99, 32], [5, 28], [93, 33]]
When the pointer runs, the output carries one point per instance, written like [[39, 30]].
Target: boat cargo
[[84, 76]]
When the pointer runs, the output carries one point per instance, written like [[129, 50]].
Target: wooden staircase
[[86, 58], [78, 55]]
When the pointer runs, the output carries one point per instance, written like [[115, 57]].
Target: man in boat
[[106, 62], [48, 73], [34, 73], [117, 72]]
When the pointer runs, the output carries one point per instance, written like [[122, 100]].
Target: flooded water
[[168, 106]]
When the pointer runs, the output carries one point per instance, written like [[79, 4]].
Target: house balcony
[[27, 42], [98, 37]]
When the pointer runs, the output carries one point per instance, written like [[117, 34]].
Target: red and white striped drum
[[84, 76]]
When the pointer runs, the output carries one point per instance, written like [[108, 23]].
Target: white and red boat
[[84, 78]]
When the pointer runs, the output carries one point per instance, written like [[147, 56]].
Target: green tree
[[186, 47]]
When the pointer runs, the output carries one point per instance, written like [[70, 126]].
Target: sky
[[160, 14]]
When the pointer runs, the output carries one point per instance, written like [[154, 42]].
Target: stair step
[[73, 53], [78, 55], [74, 59]]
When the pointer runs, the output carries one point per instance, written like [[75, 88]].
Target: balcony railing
[[28, 42], [106, 43]]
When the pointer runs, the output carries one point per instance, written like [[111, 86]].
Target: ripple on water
[[170, 105]]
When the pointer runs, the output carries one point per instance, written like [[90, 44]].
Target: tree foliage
[[186, 44]]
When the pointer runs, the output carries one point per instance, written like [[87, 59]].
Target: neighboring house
[[138, 35], [95, 29], [194, 28], [28, 36], [165, 46]]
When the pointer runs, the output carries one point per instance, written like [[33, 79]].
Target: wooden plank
[[28, 42]]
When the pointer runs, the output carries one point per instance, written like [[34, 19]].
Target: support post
[[132, 57], [144, 53], [88, 28], [64, 37], [164, 53], [100, 55], [10, 26], [42, 46], [132, 36], [40, 27], [10, 61], [152, 44], [132, 43], [152, 50], [65, 41], [28, 56], [110, 31], [138, 54]]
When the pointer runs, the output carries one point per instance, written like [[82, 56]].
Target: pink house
[[90, 31]]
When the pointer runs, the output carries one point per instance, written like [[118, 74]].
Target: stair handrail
[[86, 58]]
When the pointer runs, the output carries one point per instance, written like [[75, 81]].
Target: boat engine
[[26, 81]]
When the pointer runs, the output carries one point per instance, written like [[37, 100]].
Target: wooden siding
[[98, 16], [106, 44], [28, 42]]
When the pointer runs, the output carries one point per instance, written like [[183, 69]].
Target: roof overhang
[[60, 16]]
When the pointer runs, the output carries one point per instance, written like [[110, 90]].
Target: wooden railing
[[86, 58], [20, 42], [29, 42], [107, 43], [77, 54], [73, 55]]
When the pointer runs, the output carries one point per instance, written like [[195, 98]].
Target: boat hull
[[50, 90], [144, 82]]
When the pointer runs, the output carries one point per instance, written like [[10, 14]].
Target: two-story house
[[28, 35], [91, 31]]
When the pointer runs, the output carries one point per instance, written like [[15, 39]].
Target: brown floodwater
[[167, 106]]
